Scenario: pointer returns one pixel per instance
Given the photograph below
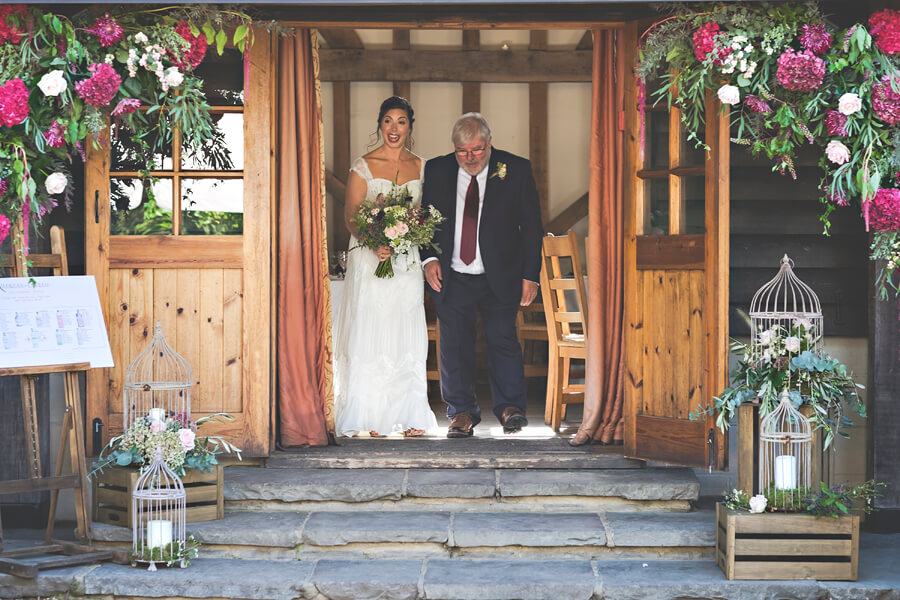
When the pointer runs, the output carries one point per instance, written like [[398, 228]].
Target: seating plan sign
[[51, 321]]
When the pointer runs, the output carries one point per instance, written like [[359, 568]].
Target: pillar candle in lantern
[[785, 472], [159, 533], [157, 414]]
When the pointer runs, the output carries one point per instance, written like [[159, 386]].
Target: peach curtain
[[305, 397], [603, 398]]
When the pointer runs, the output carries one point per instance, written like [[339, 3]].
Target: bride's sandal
[[412, 432], [375, 434]]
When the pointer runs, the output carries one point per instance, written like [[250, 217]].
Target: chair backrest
[[57, 261], [566, 313]]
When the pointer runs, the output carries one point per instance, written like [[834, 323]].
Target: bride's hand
[[384, 252]]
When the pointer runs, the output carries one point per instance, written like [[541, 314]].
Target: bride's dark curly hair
[[401, 103]]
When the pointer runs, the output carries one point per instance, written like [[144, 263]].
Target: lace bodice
[[380, 185]]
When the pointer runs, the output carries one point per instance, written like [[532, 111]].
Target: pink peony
[[5, 226], [107, 30], [187, 439], [836, 123], [885, 29], [126, 106], [13, 102], [800, 71], [815, 38], [756, 104], [884, 214], [56, 135], [885, 101], [705, 42], [100, 88], [193, 55]]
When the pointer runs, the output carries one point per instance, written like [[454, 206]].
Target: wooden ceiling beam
[[341, 38], [512, 66]]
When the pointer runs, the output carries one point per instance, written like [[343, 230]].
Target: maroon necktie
[[469, 224]]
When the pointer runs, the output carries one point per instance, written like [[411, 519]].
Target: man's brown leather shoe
[[513, 420], [461, 426]]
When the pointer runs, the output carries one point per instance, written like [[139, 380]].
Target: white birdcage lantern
[[785, 453], [781, 305], [158, 383], [158, 515]]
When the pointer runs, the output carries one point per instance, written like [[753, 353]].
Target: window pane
[[223, 77], [212, 206], [127, 155], [657, 139], [138, 207], [225, 153], [694, 204], [659, 207], [691, 154]]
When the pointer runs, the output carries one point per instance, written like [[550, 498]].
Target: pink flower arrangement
[[815, 38], [885, 28], [107, 30], [836, 123], [193, 56], [884, 213], [5, 226], [56, 135], [705, 42], [885, 101], [100, 88], [126, 106], [8, 32], [13, 102], [800, 71]]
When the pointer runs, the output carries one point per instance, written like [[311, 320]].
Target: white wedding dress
[[381, 340]]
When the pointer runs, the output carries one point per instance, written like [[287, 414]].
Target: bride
[[381, 340]]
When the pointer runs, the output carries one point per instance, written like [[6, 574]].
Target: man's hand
[[529, 291], [433, 274]]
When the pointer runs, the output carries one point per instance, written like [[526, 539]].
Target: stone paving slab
[[339, 528], [461, 579], [205, 578], [662, 529], [638, 484], [297, 485], [48, 583], [451, 483], [356, 580], [527, 529]]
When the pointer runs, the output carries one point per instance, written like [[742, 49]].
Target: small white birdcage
[[158, 514], [158, 383], [785, 453], [785, 307]]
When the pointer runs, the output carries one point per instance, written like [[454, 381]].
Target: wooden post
[[471, 90], [537, 130]]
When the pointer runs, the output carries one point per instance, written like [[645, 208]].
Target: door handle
[[96, 206]]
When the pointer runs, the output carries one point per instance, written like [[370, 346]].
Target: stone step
[[509, 452], [443, 534], [453, 579], [544, 490]]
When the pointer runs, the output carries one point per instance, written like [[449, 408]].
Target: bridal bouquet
[[394, 220]]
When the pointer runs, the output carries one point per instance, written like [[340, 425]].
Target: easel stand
[[72, 434]]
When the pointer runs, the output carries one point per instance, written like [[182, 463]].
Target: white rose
[[140, 38], [765, 337], [849, 103], [53, 83], [757, 503], [56, 183], [174, 77], [837, 152], [729, 94], [792, 344]]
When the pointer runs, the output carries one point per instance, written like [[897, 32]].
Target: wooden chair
[[532, 328], [566, 329]]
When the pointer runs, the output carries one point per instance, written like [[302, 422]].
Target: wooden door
[[203, 270], [676, 285]]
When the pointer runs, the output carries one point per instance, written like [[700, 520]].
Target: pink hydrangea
[[107, 30], [884, 212], [56, 135], [757, 104], [5, 226], [885, 101], [705, 42], [836, 123], [126, 106], [885, 29], [800, 71], [193, 55], [815, 38], [13, 102], [100, 88], [9, 32]]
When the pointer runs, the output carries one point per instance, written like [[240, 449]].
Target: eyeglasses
[[476, 152]]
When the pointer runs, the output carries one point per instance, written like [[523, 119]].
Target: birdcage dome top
[[158, 367], [785, 296], [158, 482], [785, 424]]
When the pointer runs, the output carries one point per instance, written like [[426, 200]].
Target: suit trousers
[[464, 296]]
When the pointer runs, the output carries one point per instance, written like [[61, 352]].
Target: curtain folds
[[305, 397], [604, 396]]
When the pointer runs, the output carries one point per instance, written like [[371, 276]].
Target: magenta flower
[[193, 55], [56, 135], [884, 214], [705, 42], [107, 30], [13, 102], [3, 187], [800, 71], [815, 38], [886, 102], [756, 104], [885, 28], [5, 226], [836, 123], [126, 106], [100, 88]]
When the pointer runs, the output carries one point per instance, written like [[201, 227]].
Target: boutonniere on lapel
[[500, 171]]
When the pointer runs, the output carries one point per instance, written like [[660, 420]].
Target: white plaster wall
[[437, 107]]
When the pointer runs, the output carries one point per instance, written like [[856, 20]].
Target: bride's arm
[[356, 193]]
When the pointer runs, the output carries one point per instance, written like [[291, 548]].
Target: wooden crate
[[786, 546], [112, 495]]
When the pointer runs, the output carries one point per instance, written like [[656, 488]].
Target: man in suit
[[490, 262]]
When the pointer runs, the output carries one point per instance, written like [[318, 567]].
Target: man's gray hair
[[468, 127]]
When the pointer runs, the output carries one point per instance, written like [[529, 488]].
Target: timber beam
[[489, 66], [565, 220]]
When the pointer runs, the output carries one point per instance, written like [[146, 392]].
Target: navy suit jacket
[[510, 229]]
